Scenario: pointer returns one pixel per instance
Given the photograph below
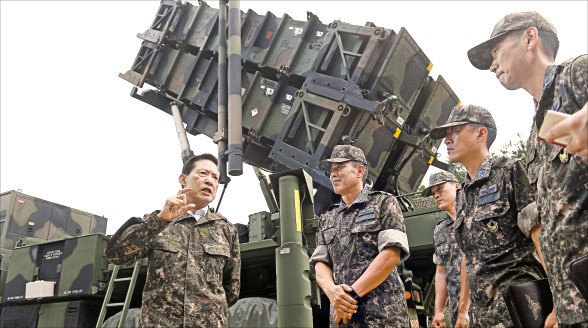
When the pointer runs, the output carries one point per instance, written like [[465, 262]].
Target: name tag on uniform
[[489, 198], [439, 241], [488, 190], [365, 214]]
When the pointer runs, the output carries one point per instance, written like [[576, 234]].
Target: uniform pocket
[[329, 234], [164, 245], [441, 247], [216, 258], [574, 174], [218, 250], [492, 209], [494, 217], [366, 223], [163, 259], [364, 234]]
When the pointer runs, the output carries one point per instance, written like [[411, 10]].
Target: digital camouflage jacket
[[487, 230], [562, 189], [350, 238], [448, 254], [193, 272]]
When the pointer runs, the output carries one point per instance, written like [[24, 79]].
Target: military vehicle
[[49, 249], [278, 94]]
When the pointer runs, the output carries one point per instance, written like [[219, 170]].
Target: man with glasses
[[194, 263], [360, 242]]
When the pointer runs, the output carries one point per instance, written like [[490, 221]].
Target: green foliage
[[516, 149], [458, 170]]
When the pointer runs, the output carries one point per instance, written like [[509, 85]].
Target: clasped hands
[[343, 304]]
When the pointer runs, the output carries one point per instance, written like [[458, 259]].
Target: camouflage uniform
[[193, 272], [448, 254], [561, 179], [497, 251], [562, 189], [350, 238], [447, 251]]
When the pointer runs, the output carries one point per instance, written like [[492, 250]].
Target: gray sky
[[70, 133]]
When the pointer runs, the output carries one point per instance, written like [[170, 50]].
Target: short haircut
[[491, 133], [191, 162], [550, 43], [548, 40], [365, 169]]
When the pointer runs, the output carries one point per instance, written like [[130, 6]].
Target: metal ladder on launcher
[[125, 305]]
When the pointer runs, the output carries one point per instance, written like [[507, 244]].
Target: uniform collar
[[362, 197], [201, 212], [547, 80], [448, 220], [200, 216], [483, 171], [549, 75]]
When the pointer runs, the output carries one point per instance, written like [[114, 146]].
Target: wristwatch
[[354, 295]]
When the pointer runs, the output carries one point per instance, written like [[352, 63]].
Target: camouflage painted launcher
[[306, 87]]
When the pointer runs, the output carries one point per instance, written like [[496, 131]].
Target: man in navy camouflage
[[450, 277], [495, 191], [521, 53], [194, 265], [360, 242]]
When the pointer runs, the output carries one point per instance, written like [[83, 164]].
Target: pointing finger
[[184, 190]]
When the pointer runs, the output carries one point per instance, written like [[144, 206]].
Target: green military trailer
[[54, 248], [27, 220]]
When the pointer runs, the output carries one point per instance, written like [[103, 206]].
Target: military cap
[[464, 114], [438, 178], [481, 57], [345, 153]]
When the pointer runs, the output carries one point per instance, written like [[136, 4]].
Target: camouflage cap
[[464, 114], [481, 57], [438, 178], [345, 153]]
